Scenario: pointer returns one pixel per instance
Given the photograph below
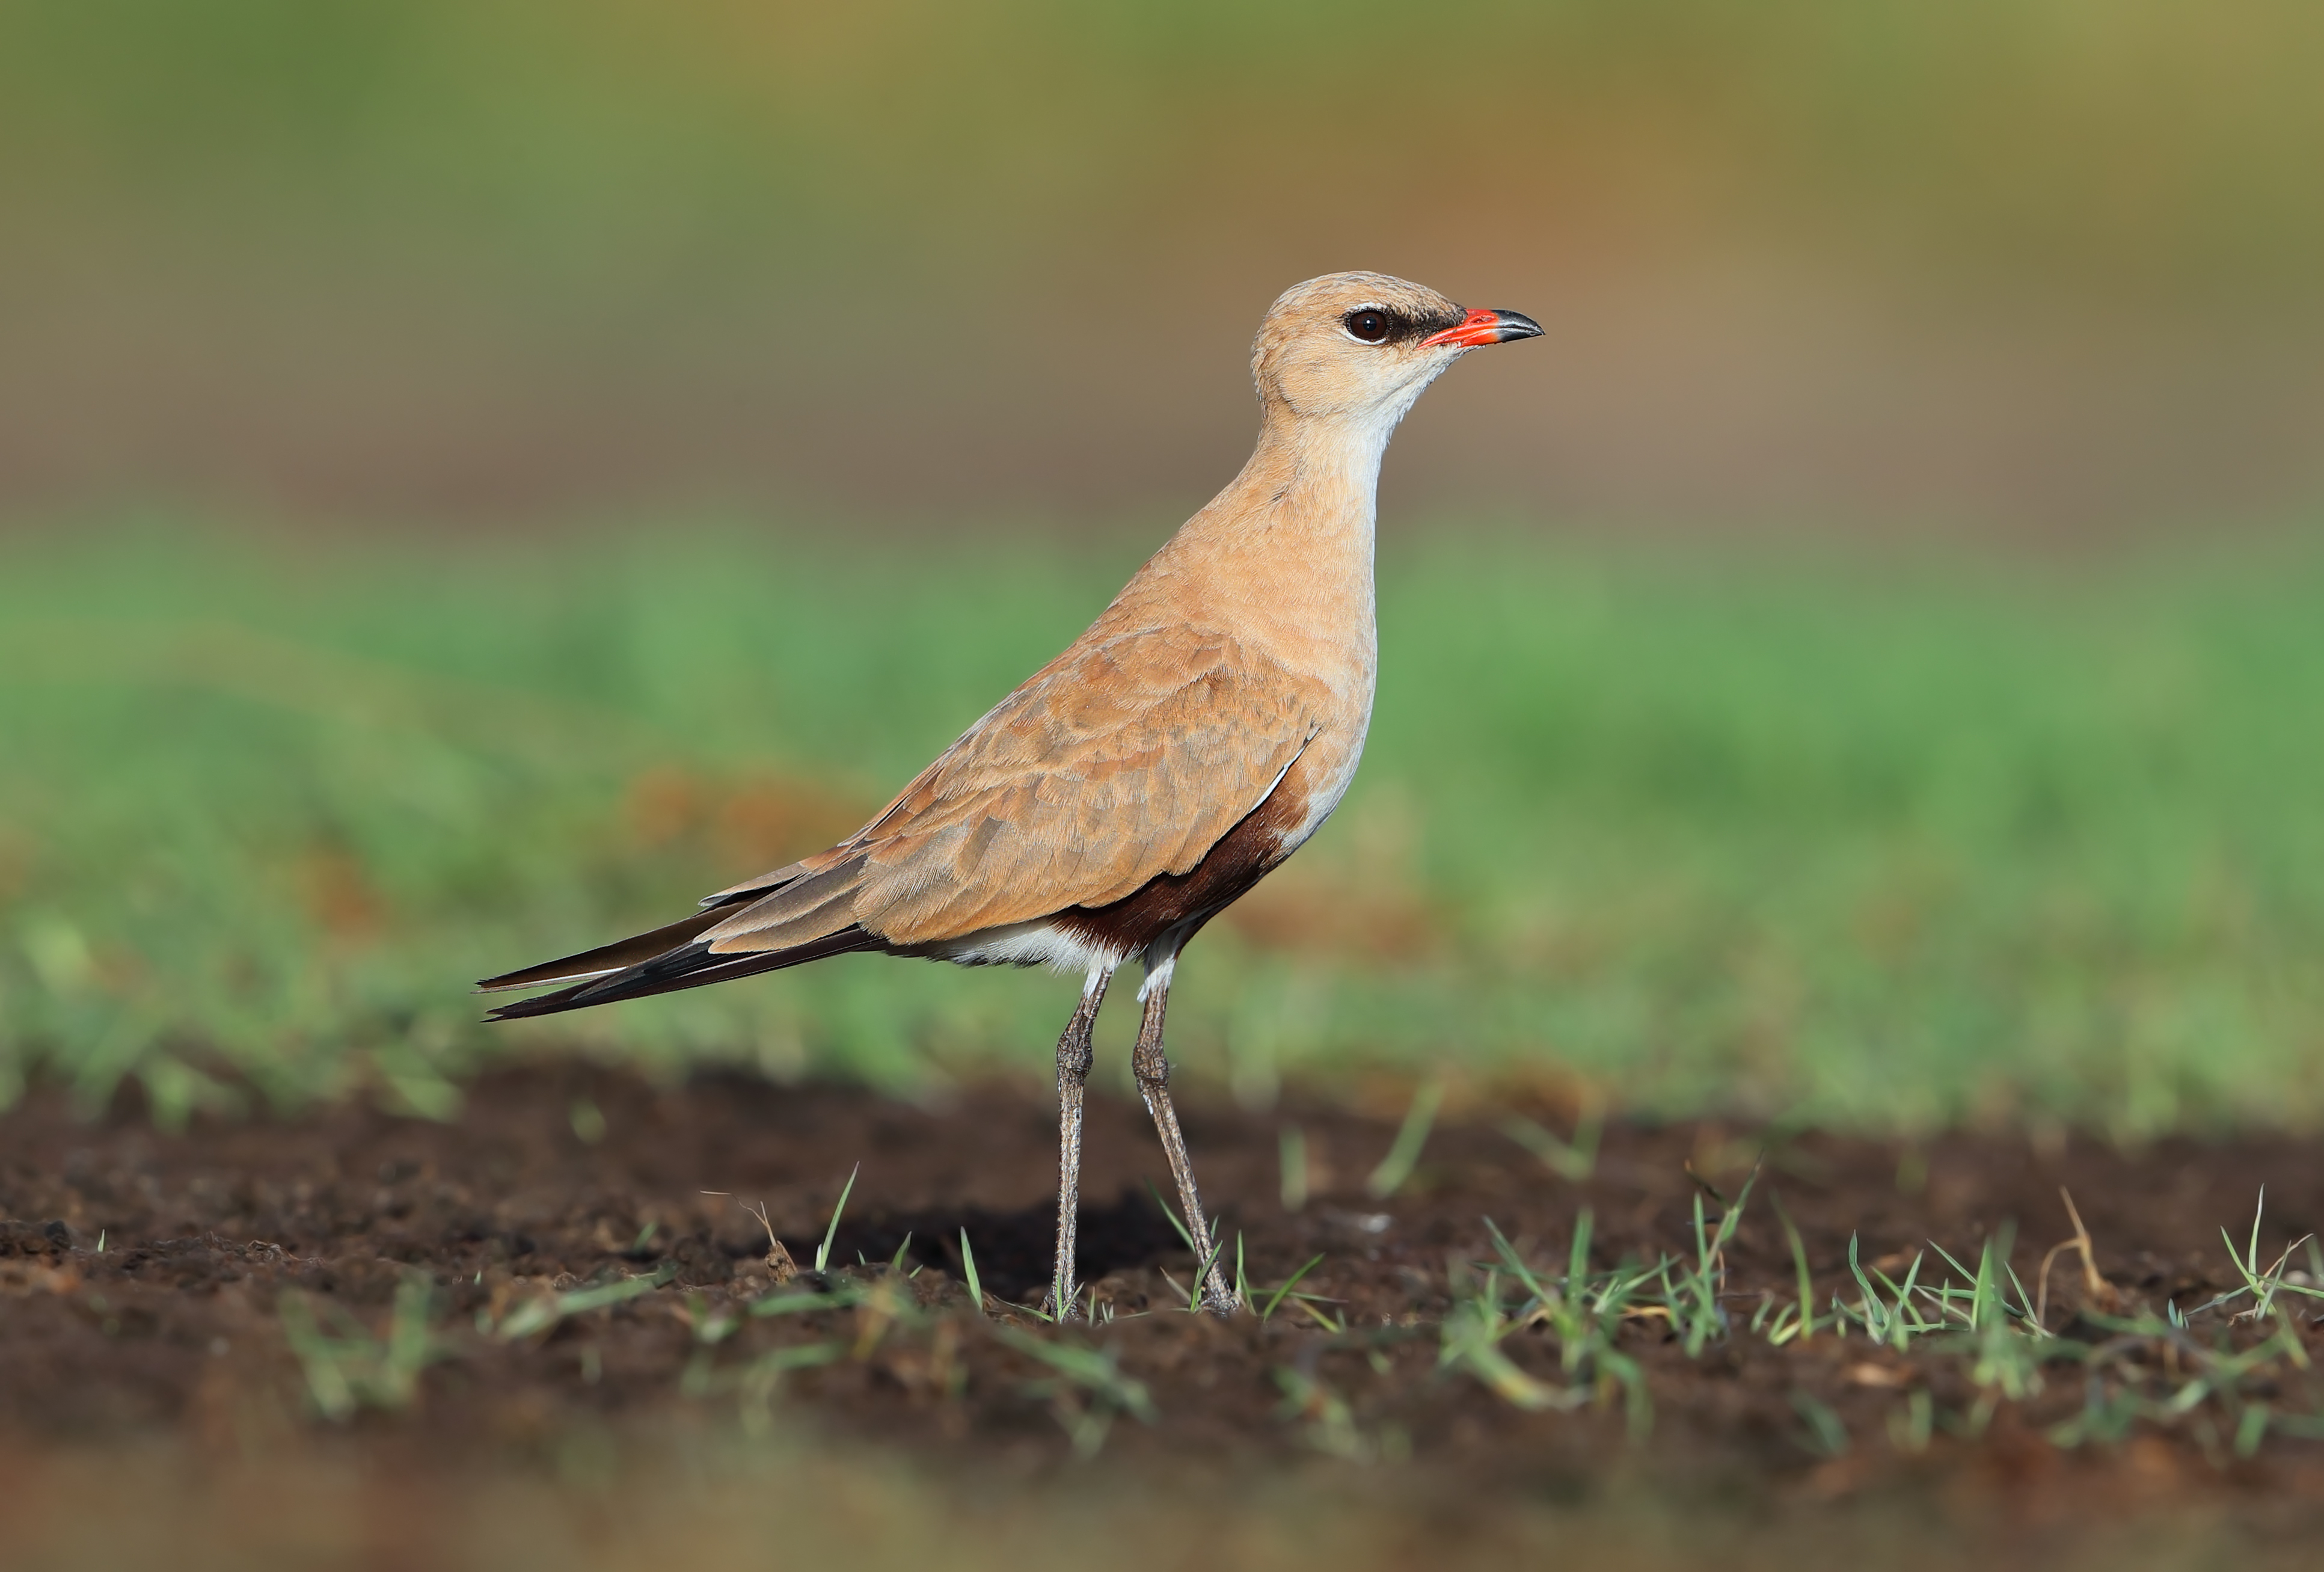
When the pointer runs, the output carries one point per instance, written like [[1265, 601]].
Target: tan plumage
[[1129, 757], [1201, 729]]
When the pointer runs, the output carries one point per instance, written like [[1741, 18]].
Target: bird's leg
[[1153, 1072], [1073, 1056]]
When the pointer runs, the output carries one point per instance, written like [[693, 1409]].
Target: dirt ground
[[179, 1285]]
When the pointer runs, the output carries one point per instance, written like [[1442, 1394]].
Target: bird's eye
[[1368, 324]]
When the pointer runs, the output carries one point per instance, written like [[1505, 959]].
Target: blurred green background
[[474, 478]]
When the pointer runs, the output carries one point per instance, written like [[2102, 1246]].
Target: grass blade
[[1572, 1161], [1289, 1283], [823, 1251], [1170, 1212], [1828, 1437], [968, 1268], [1096, 1373], [1293, 1153], [1799, 1265], [1515, 1262], [1403, 1155]]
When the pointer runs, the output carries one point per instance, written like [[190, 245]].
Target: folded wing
[[1127, 758]]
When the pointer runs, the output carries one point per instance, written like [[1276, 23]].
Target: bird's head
[[1361, 346]]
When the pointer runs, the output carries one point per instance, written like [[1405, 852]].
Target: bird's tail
[[607, 959], [795, 915], [690, 964]]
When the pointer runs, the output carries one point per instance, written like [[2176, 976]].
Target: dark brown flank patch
[[1244, 855]]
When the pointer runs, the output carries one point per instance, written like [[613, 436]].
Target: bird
[[1195, 737]]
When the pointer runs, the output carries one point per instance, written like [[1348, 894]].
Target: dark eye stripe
[[1383, 325]]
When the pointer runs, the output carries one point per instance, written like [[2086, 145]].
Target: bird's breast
[[1323, 774]]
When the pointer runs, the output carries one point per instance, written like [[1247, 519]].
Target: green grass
[[1875, 845]]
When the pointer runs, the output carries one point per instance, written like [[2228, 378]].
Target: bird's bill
[[1481, 326]]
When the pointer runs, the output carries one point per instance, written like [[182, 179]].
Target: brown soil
[[142, 1283]]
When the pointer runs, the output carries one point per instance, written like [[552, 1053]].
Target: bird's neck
[[1323, 475], [1284, 554]]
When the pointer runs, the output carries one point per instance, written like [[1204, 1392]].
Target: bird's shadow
[[1013, 1248]]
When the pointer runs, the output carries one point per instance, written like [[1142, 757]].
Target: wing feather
[[1128, 757]]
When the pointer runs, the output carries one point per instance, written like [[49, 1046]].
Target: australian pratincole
[[1202, 728]]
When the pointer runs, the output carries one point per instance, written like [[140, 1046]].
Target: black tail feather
[[592, 964], [693, 966]]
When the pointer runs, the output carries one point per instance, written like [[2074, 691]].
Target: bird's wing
[[1128, 757]]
